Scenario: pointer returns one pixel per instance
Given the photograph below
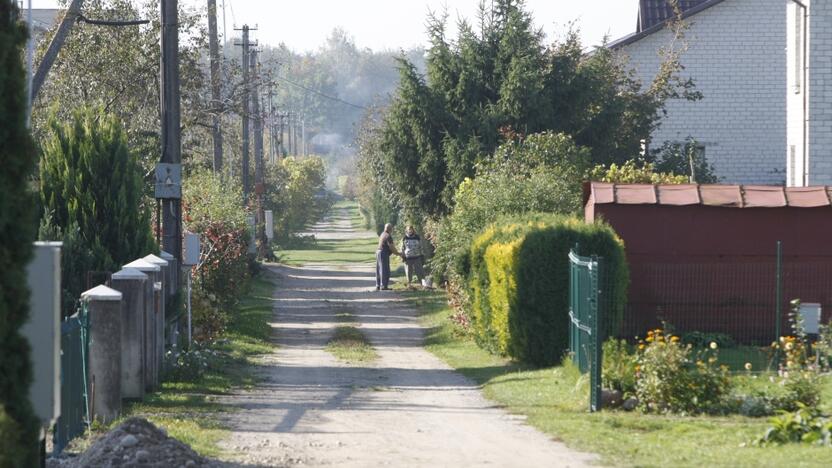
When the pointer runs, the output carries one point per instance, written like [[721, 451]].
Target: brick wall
[[820, 92], [737, 58]]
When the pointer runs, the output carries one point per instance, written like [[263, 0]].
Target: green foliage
[[540, 174], [296, 193], [633, 172], [518, 282], [619, 368], [91, 192], [699, 339], [18, 427], [673, 378], [118, 68], [685, 158], [211, 208], [499, 82], [803, 425]]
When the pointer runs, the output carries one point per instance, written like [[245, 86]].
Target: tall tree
[[501, 82], [18, 425], [91, 188]]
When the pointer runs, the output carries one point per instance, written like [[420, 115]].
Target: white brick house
[[764, 68]]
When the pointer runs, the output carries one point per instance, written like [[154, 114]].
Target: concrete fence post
[[104, 307], [132, 284], [151, 367], [174, 272], [161, 314], [174, 288]]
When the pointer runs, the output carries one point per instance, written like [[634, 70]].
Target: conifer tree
[[18, 425]]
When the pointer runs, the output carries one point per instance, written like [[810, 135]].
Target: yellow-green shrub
[[518, 279]]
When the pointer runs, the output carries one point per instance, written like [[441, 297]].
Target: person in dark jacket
[[385, 248], [412, 255]]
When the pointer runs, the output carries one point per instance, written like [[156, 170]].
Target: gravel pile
[[136, 443]]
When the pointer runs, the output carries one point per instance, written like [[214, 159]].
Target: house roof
[[653, 16], [730, 196]]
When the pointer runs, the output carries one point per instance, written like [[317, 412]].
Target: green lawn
[[187, 409], [555, 401]]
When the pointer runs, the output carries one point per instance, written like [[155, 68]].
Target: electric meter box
[[43, 330], [190, 249]]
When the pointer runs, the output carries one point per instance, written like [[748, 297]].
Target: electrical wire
[[333, 98]]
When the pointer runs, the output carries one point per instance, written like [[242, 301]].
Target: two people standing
[[411, 253]]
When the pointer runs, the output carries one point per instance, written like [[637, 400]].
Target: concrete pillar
[[162, 316], [132, 284], [151, 368], [172, 332], [104, 307], [159, 332]]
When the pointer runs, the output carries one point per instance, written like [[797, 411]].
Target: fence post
[[105, 311], [596, 338], [778, 293], [161, 312], [132, 284], [154, 273]]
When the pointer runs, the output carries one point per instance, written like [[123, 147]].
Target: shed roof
[[730, 196]]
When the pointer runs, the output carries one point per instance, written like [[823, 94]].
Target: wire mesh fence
[[739, 302]]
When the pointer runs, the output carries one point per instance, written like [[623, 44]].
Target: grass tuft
[[349, 344]]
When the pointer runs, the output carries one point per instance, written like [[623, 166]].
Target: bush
[[211, 208], [91, 191], [805, 424], [671, 378], [634, 172], [518, 278], [619, 367], [542, 173], [296, 193], [18, 425]]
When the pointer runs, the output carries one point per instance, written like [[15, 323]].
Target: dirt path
[[405, 409]]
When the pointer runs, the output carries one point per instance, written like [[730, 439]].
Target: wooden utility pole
[[216, 104], [259, 174], [246, 111], [169, 171]]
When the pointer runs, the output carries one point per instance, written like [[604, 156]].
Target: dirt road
[[407, 408]]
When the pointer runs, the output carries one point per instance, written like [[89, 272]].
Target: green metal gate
[[74, 417], [585, 338]]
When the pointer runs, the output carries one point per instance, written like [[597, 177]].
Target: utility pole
[[246, 112], [216, 105], [303, 136], [259, 175], [281, 146], [169, 173], [73, 11]]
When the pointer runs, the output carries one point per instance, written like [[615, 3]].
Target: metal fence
[[585, 336], [742, 302], [74, 418]]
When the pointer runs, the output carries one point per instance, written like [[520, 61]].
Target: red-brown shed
[[704, 257]]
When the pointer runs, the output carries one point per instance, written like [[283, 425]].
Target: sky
[[400, 24]]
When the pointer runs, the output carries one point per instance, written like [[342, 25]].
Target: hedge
[[518, 279]]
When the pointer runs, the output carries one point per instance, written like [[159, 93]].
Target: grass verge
[[186, 408], [349, 344], [555, 401]]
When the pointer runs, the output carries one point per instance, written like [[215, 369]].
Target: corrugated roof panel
[[721, 195], [602, 192], [807, 197], [763, 196], [685, 194], [635, 194]]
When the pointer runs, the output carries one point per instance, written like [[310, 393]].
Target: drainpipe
[[805, 89]]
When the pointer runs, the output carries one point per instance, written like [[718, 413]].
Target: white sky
[[394, 24]]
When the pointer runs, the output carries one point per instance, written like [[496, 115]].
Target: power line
[[319, 93]]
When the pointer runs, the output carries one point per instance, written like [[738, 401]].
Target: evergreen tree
[[18, 425], [500, 83], [91, 193]]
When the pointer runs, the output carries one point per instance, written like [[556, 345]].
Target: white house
[[764, 68]]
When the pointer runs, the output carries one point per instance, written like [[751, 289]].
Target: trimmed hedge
[[518, 279]]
